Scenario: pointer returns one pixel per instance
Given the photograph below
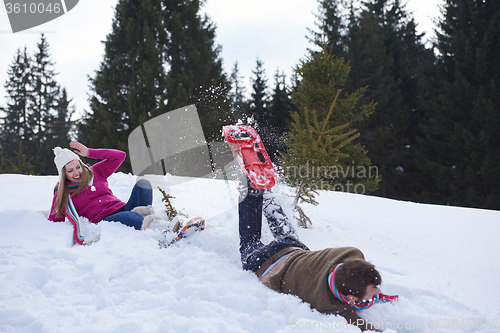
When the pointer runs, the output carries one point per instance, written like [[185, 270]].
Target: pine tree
[[278, 119], [237, 93], [129, 87], [321, 153], [332, 24], [259, 97], [265, 114], [35, 101], [195, 75], [60, 124], [374, 67], [46, 107], [280, 104], [16, 113], [462, 128], [386, 55], [3, 166], [21, 164]]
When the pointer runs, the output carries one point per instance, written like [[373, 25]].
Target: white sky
[[272, 30]]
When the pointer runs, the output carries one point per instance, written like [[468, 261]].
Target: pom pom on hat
[[57, 150], [63, 156]]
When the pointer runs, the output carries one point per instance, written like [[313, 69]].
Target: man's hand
[[80, 149]]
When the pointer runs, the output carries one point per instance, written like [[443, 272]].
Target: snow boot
[[278, 222], [155, 222], [144, 210]]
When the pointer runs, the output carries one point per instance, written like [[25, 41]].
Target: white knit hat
[[63, 157]]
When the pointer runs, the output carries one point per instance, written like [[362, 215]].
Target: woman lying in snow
[[84, 191], [333, 281]]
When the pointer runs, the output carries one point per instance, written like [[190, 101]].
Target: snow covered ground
[[442, 261]]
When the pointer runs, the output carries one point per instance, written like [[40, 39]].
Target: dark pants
[[142, 195], [253, 252]]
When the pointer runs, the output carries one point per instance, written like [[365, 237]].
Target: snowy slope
[[442, 261]]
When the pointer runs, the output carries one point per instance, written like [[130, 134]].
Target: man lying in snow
[[333, 281]]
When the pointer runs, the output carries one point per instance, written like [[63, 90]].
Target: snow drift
[[442, 261]]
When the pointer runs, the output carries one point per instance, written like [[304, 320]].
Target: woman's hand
[[80, 149]]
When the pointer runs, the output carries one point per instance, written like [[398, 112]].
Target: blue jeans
[[142, 195], [253, 252]]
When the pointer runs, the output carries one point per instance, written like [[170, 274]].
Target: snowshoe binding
[[179, 232]]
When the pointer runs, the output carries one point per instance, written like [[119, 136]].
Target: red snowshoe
[[193, 225], [247, 147]]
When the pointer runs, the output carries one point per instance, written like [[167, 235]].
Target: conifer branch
[[170, 210], [349, 139], [328, 117]]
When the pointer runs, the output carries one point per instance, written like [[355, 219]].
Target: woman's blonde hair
[[63, 191]]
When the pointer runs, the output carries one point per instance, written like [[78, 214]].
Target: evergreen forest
[[370, 94]]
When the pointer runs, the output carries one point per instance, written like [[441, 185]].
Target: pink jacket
[[97, 201]]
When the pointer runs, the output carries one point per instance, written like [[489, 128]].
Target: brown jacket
[[305, 274]]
